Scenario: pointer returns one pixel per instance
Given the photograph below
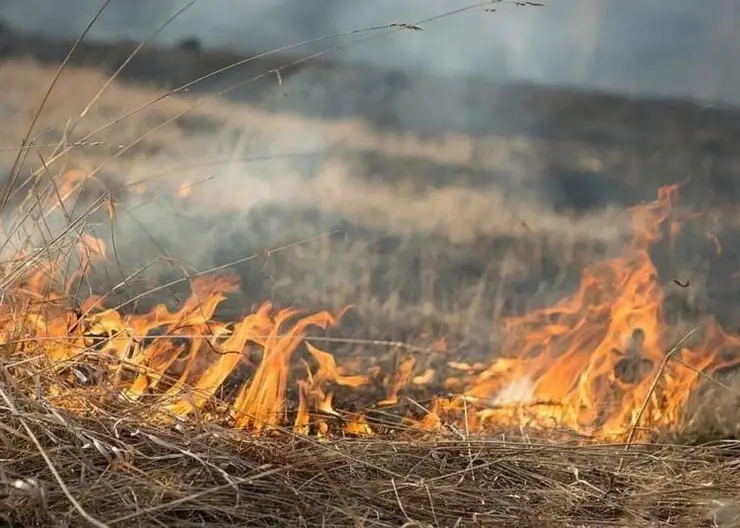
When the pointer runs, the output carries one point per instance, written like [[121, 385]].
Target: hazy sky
[[670, 47]]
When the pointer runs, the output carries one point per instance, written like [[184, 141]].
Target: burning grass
[[593, 364], [174, 417]]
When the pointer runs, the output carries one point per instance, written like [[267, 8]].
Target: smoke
[[427, 118], [678, 48]]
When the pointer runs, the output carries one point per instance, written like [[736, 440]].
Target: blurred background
[[683, 48]]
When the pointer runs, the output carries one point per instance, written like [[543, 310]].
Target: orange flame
[[588, 362], [592, 363]]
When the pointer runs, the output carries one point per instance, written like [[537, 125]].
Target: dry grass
[[110, 464], [114, 466], [454, 211]]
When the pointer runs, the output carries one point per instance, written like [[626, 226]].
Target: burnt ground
[[444, 204]]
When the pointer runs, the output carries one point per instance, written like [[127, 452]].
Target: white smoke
[[683, 48]]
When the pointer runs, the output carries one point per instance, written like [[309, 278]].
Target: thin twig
[[677, 347]]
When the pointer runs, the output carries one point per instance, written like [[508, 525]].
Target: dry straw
[[112, 466], [109, 464]]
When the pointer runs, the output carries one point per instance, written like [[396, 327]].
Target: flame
[[593, 363], [214, 350], [589, 362]]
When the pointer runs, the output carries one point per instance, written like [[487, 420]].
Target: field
[[536, 287]]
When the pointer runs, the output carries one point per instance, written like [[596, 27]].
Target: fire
[[589, 362], [139, 362], [593, 363]]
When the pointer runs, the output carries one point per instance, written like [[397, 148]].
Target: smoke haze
[[429, 203], [681, 48]]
